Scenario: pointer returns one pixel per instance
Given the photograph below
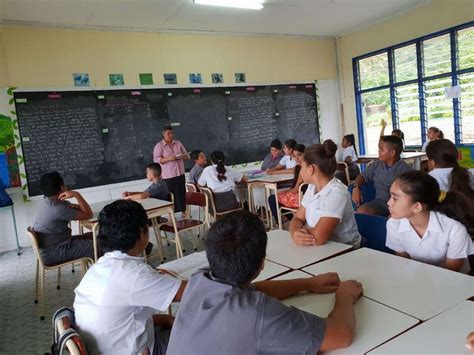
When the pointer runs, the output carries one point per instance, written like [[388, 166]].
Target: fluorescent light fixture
[[239, 4]]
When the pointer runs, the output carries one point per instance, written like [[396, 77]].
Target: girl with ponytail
[[326, 209], [221, 180], [427, 224]]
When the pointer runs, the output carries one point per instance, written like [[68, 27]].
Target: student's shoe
[[148, 248]]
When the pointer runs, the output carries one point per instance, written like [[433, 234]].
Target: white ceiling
[[280, 17]]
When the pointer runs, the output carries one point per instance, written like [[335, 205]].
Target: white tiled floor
[[21, 330]]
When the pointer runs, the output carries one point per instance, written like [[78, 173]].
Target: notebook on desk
[[185, 267]]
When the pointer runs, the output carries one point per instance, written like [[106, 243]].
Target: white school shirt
[[349, 152], [443, 176], [333, 201], [288, 162], [209, 178], [115, 302], [423, 147], [444, 238]]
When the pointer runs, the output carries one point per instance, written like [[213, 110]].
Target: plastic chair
[[65, 335], [200, 200], [212, 206], [373, 230], [41, 267], [271, 188], [368, 193], [343, 165], [191, 187]]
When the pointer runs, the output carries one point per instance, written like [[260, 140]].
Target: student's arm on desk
[[282, 289], [179, 294], [274, 169], [135, 195], [323, 229], [281, 171], [341, 322], [298, 233], [84, 210]]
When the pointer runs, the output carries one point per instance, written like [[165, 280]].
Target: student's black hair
[[276, 143], [299, 148], [323, 156], [235, 247], [445, 154], [394, 143], [399, 133], [218, 158], [290, 143], [423, 188], [195, 154], [155, 167], [51, 183], [437, 131], [167, 128], [350, 138], [120, 225]]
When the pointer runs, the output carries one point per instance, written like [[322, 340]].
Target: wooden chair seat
[[181, 225]]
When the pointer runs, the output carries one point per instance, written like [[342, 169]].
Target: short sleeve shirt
[[115, 302], [444, 238], [52, 222], [209, 178], [383, 175], [332, 201], [269, 162], [158, 190], [218, 318], [172, 168], [195, 173], [288, 162]]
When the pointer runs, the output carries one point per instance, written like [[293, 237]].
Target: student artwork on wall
[[240, 78], [195, 78], [81, 79], [116, 80], [217, 78], [170, 78], [146, 78]]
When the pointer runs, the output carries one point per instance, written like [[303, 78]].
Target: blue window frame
[[411, 96]]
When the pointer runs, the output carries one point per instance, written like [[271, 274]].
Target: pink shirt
[[172, 168]]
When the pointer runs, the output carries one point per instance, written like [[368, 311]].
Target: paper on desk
[[183, 268]]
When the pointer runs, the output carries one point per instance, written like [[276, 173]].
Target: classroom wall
[[3, 67], [434, 16], [48, 56]]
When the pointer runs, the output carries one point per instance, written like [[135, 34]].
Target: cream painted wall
[[3, 65], [48, 56], [426, 19]]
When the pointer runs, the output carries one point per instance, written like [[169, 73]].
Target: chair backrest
[[210, 197], [66, 337], [367, 190], [301, 190], [374, 230], [343, 165], [191, 187], [196, 199], [170, 197], [34, 243]]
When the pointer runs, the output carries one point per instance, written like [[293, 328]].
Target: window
[[407, 84]]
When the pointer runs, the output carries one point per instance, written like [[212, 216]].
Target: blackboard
[[102, 137]]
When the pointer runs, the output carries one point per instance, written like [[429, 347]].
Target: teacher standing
[[170, 153]]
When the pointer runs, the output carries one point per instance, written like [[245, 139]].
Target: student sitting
[[349, 156], [116, 299], [223, 313], [272, 159], [221, 180], [290, 198], [434, 133], [443, 165], [287, 163], [424, 229], [396, 132], [326, 208], [199, 163], [157, 189], [382, 173], [55, 241]]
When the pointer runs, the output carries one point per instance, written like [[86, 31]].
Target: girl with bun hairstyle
[[326, 209]]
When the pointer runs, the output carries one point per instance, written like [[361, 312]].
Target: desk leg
[[177, 239], [16, 231], [418, 163]]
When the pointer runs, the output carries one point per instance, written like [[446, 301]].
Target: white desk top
[[444, 334], [282, 250], [375, 323], [404, 155], [271, 270], [273, 178], [148, 204], [417, 289]]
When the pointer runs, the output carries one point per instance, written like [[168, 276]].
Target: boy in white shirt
[[117, 298], [419, 227]]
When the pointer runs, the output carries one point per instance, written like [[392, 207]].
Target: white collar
[[434, 224]]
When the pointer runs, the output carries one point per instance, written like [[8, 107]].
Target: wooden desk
[[415, 288], [282, 250], [416, 157], [375, 323], [444, 334], [150, 205]]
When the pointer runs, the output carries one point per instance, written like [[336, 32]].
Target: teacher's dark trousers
[[177, 186]]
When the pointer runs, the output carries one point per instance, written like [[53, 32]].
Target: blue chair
[[373, 230], [6, 202], [368, 193]]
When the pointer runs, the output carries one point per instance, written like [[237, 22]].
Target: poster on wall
[[9, 171], [81, 79]]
